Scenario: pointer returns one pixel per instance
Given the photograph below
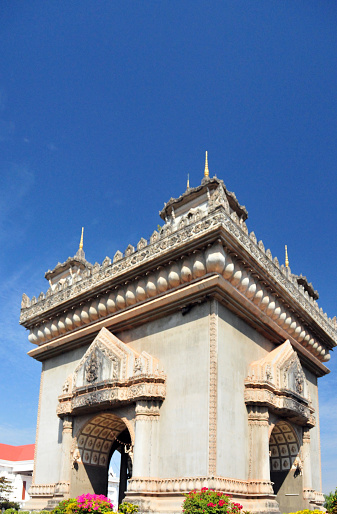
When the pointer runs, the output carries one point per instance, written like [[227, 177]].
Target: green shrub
[[9, 506], [331, 502], [208, 501], [128, 508]]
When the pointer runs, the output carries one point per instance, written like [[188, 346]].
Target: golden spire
[[81, 241], [286, 259], [188, 180], [206, 172]]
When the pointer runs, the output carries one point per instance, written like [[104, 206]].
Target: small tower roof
[[193, 193], [78, 262]]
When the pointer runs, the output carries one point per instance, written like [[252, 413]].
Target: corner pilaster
[[213, 388]]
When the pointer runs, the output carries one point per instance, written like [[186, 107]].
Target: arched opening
[[285, 468], [122, 445], [97, 441]]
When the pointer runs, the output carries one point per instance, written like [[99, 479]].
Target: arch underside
[[283, 447], [97, 437]]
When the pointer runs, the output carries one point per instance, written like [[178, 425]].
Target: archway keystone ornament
[[111, 373], [278, 382]]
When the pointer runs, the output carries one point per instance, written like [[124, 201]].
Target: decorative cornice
[[247, 488], [111, 395], [281, 283], [214, 260], [288, 406]]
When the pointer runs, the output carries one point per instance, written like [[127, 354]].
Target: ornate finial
[[188, 181], [206, 172], [81, 241], [286, 259]]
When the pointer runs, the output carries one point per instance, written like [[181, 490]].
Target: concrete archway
[[285, 467], [94, 444]]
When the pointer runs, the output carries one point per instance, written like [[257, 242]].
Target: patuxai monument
[[194, 354]]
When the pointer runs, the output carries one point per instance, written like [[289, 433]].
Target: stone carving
[[155, 237], [269, 375], [246, 284], [147, 410], [285, 390], [118, 256], [219, 198], [138, 366], [299, 380], [106, 262], [129, 250], [25, 301], [111, 372], [142, 244], [165, 242], [91, 368], [76, 458], [66, 386]]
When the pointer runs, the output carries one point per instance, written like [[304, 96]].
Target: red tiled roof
[[24, 452]]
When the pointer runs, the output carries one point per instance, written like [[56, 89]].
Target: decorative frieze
[[163, 243], [43, 490], [183, 485], [214, 259]]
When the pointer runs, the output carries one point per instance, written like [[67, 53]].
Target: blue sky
[[104, 109]]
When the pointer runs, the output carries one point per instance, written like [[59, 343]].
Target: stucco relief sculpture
[[111, 372], [91, 368], [278, 382]]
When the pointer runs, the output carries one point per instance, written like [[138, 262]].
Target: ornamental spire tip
[[206, 172], [81, 241], [286, 257]]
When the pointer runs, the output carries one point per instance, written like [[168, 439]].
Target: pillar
[[259, 464], [308, 492], [146, 439], [62, 487]]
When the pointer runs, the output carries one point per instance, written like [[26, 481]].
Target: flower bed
[[208, 501], [84, 504]]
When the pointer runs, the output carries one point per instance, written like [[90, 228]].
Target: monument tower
[[195, 355]]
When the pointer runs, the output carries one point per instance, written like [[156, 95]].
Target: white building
[[16, 464], [113, 488]]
